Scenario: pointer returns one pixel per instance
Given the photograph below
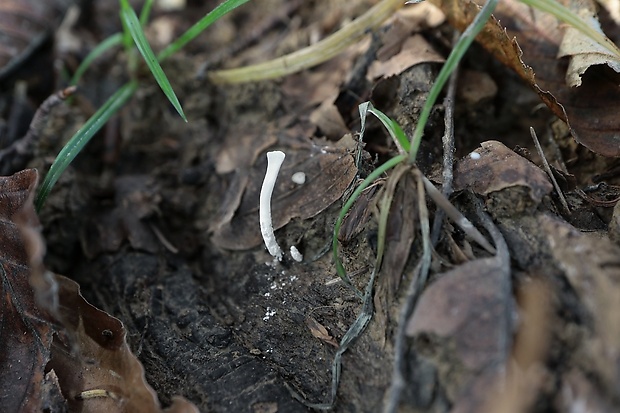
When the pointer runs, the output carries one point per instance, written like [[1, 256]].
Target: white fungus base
[[299, 178], [297, 256]]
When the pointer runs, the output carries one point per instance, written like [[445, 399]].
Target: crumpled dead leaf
[[466, 316], [95, 367], [414, 50], [26, 328], [592, 266], [359, 214], [402, 48], [475, 87], [400, 232], [584, 52], [527, 41], [511, 181], [329, 121], [88, 362]]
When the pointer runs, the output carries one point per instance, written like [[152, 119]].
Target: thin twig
[[448, 148], [549, 172]]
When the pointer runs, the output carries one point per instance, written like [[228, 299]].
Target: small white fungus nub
[[474, 155], [274, 162], [299, 178], [297, 256]]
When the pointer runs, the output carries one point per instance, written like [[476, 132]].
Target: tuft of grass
[[133, 35], [459, 50], [409, 150]]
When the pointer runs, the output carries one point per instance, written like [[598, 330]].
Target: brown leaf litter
[[528, 40], [57, 348]]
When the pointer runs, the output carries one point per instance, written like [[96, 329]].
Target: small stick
[[448, 148], [274, 162], [548, 170]]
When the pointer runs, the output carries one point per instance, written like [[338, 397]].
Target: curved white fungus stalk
[[274, 161]]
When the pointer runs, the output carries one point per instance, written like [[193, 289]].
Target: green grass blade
[[145, 13], [101, 48], [396, 132], [131, 22], [455, 57], [82, 137], [199, 27]]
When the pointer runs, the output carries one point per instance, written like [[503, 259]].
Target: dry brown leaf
[[95, 367], [584, 52], [512, 183], [415, 50], [329, 120], [592, 266], [239, 153], [89, 364], [244, 146], [309, 89], [319, 331], [526, 375], [359, 214], [399, 236], [466, 316], [476, 87], [421, 17], [590, 110], [26, 328]]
